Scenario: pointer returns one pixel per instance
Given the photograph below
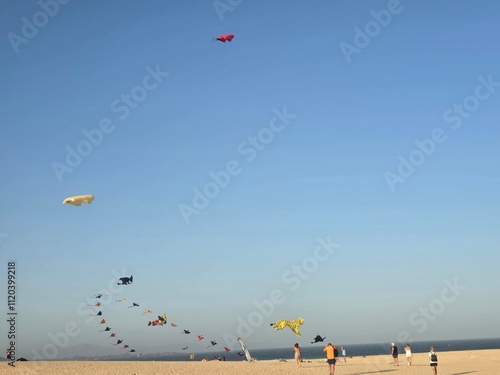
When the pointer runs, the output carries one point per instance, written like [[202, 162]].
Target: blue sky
[[320, 145]]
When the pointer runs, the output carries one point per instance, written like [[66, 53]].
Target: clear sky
[[219, 169]]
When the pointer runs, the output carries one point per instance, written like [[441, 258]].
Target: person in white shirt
[[408, 354], [433, 361]]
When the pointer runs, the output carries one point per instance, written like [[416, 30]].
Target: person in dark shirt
[[433, 361], [395, 354]]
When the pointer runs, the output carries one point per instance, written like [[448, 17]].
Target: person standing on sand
[[408, 354], [8, 356], [433, 360], [395, 354], [343, 353], [330, 357], [297, 355]]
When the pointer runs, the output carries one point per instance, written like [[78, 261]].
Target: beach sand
[[484, 362]]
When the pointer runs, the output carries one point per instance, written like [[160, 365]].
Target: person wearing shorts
[[408, 354], [433, 362], [330, 357], [394, 352]]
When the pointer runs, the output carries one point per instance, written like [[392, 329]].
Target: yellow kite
[[293, 324], [77, 200]]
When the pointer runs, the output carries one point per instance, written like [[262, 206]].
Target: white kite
[[77, 200], [245, 349]]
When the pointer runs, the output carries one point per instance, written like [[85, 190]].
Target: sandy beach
[[485, 362]]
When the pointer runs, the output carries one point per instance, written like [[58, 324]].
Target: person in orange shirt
[[330, 357]]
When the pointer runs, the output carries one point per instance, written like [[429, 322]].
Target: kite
[[104, 293], [200, 337], [121, 299], [293, 324], [146, 312], [98, 314], [126, 280], [227, 349], [134, 305], [96, 304], [318, 338], [241, 354], [125, 346], [132, 351], [213, 344], [186, 332], [184, 348], [224, 38], [103, 321], [105, 330], [245, 350], [112, 335], [163, 319], [160, 321], [173, 324], [118, 342], [77, 200]]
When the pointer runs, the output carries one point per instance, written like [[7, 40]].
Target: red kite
[[225, 38]]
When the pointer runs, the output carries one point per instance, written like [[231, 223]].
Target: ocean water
[[316, 351]]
